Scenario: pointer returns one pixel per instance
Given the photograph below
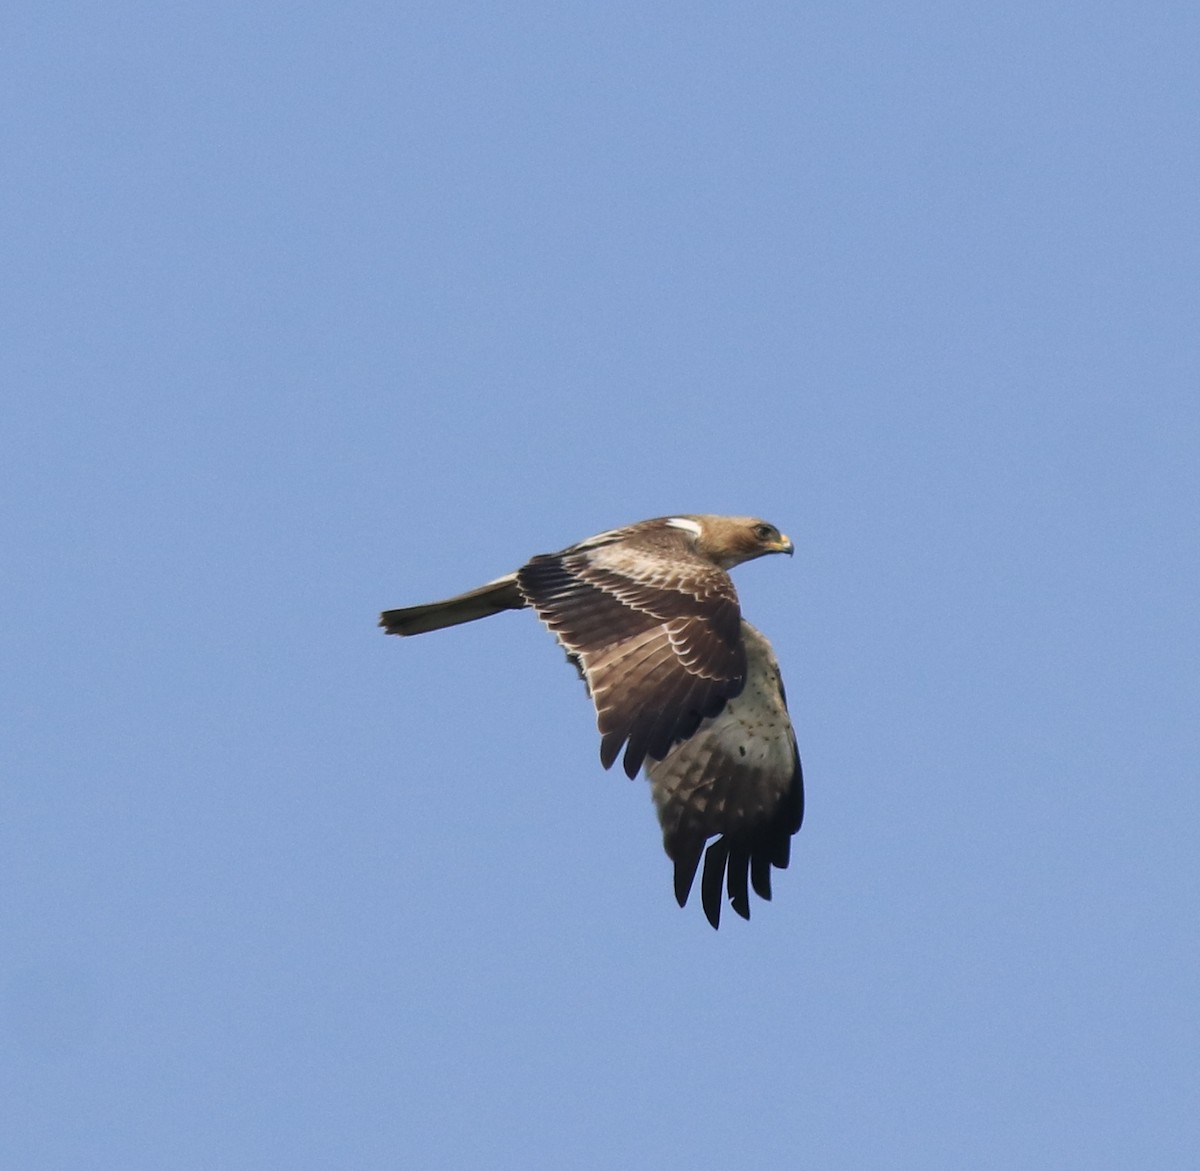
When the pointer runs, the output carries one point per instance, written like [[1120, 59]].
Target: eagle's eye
[[765, 532]]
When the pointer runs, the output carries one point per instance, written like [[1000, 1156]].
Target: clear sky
[[312, 310]]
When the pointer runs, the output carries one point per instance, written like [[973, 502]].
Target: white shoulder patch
[[682, 522]]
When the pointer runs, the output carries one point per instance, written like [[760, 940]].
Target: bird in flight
[[682, 684]]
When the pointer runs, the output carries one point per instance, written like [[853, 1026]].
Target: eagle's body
[[682, 684]]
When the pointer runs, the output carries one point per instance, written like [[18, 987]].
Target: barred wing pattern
[[654, 630]]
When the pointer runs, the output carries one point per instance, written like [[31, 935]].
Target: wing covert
[[654, 629]]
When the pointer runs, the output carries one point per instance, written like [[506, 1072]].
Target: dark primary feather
[[713, 879], [732, 858]]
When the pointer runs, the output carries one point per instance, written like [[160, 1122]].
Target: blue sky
[[315, 310]]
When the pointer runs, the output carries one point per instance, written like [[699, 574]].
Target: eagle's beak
[[784, 545]]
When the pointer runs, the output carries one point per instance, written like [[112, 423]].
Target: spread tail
[[501, 594]]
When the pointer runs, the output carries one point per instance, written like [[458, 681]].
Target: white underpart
[[682, 522]]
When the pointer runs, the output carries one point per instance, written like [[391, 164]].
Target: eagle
[[683, 686]]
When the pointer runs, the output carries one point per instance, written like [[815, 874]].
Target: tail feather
[[501, 594]]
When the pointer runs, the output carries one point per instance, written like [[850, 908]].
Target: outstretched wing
[[737, 776], [654, 628]]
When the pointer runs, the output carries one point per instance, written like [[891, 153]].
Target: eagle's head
[[729, 540]]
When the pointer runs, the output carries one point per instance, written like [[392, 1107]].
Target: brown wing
[[737, 776], [653, 627]]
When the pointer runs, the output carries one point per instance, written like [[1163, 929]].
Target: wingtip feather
[[687, 861], [760, 876], [738, 872], [712, 882]]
